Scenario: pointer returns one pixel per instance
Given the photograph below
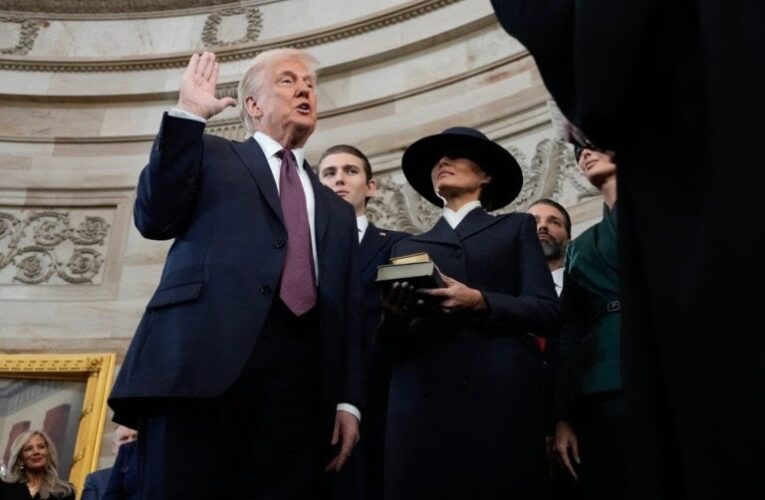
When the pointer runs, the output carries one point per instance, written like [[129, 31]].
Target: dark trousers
[[601, 428], [263, 439]]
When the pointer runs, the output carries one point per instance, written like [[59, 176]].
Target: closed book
[[418, 274]]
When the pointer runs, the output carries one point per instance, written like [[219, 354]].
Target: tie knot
[[287, 156]]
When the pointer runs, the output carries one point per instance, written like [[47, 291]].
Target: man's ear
[[251, 105], [371, 188]]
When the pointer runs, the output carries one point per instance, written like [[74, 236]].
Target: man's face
[[344, 174], [123, 435], [551, 229], [285, 105]]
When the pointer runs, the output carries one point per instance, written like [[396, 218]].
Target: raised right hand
[[197, 92]]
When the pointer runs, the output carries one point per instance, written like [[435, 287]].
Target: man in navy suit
[[347, 171], [97, 481], [246, 364]]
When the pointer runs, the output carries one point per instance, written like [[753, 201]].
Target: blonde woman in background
[[32, 472]]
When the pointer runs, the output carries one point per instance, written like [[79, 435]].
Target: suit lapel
[[257, 165], [371, 244], [321, 208], [475, 221], [441, 233]]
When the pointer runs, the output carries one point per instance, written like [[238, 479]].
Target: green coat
[[590, 341]]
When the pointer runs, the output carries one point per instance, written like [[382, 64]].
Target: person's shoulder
[[97, 475]]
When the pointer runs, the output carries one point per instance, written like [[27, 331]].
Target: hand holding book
[[414, 284]]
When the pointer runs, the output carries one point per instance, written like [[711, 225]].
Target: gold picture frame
[[92, 374]]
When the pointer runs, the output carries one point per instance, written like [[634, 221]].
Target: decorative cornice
[[120, 9], [27, 35], [212, 25], [232, 128], [237, 52]]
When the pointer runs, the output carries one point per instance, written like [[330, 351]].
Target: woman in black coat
[[465, 417], [32, 471]]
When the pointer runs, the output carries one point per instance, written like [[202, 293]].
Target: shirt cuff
[[349, 408], [179, 113]]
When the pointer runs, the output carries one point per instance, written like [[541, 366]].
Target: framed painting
[[63, 395]]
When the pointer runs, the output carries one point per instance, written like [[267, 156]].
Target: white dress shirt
[[454, 218], [557, 276], [270, 147], [362, 223]]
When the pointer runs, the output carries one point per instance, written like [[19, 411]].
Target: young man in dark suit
[[254, 333], [347, 171]]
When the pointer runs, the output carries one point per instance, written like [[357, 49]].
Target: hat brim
[[506, 175]]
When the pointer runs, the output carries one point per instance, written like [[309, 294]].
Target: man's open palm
[[197, 92]]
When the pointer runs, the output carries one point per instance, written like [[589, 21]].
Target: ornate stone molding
[[253, 18], [238, 52], [62, 244], [34, 244], [99, 9], [27, 35]]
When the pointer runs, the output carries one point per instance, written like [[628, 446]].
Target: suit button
[[459, 254], [265, 290], [279, 243], [463, 383]]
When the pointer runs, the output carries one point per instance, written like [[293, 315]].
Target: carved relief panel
[[62, 245]]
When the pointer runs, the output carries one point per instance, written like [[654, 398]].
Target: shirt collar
[[454, 218], [270, 147], [362, 223]]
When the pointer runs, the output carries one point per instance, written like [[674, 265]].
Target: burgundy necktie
[[298, 287]]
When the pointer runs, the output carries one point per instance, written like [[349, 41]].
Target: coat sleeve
[[536, 308], [168, 184], [354, 336]]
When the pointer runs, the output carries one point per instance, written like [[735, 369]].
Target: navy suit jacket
[[95, 484], [376, 246], [124, 481], [219, 201]]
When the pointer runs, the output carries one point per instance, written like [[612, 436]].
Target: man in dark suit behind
[[347, 171], [676, 89], [253, 335], [97, 481]]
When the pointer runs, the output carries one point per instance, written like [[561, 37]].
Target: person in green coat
[[590, 432]]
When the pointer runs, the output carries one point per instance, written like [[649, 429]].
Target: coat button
[[279, 242], [463, 383], [265, 290], [459, 254]]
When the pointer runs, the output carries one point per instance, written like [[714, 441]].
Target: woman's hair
[[51, 485]]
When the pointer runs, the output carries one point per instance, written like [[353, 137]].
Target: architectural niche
[[252, 17], [29, 29]]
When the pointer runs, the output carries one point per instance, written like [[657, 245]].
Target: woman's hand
[[457, 296], [402, 299]]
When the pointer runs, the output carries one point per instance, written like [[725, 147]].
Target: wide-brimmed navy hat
[[464, 142]]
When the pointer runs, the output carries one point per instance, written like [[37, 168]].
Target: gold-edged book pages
[[412, 258]]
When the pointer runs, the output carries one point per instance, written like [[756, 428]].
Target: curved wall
[[83, 91]]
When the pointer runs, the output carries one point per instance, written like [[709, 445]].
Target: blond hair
[[51, 484]]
